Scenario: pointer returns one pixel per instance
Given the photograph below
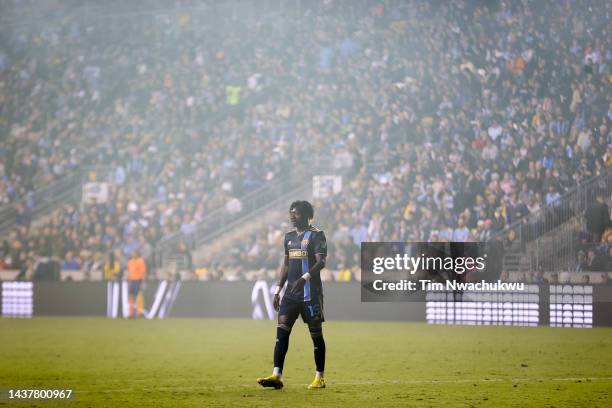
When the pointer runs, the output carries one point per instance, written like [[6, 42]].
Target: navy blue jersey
[[301, 249]]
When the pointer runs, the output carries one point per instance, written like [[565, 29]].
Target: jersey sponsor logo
[[297, 253]]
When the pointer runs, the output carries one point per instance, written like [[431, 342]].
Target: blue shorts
[[311, 311]]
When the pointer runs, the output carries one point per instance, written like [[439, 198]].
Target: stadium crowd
[[456, 119], [507, 132]]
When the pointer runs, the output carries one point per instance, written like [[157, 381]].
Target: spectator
[[597, 218], [595, 261], [461, 233], [71, 262], [112, 267], [552, 197]]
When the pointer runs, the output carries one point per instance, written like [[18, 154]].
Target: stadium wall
[[200, 299], [254, 300]]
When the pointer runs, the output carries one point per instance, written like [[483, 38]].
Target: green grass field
[[184, 362]]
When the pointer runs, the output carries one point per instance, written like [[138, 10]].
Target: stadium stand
[[456, 120]]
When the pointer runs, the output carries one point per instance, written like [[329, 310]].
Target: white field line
[[481, 380], [357, 382]]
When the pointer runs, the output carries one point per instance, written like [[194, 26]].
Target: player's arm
[[284, 272], [320, 264], [298, 285]]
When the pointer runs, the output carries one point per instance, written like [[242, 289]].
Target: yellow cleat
[[271, 381], [318, 382]]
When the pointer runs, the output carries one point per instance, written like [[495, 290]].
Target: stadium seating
[[192, 110]]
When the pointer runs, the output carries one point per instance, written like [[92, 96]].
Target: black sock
[[319, 352], [281, 347]]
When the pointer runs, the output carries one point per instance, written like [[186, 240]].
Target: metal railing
[[42, 200], [549, 239], [221, 220]]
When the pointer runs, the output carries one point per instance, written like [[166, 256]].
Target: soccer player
[[305, 254]]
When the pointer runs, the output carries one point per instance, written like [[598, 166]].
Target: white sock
[[319, 374], [277, 372]]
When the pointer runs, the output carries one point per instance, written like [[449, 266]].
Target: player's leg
[[312, 314], [316, 333], [287, 316], [283, 331]]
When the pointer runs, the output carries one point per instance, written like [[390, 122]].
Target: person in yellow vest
[[232, 94], [112, 267], [137, 270]]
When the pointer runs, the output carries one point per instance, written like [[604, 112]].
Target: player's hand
[[298, 286], [276, 302]]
